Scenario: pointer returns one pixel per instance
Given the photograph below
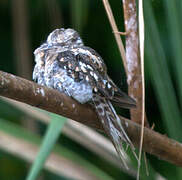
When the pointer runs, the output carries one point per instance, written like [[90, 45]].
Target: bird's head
[[64, 37]]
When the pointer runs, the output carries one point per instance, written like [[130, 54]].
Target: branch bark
[[51, 100], [134, 75]]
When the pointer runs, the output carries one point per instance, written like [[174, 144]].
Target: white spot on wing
[[108, 85], [96, 77], [87, 78], [91, 73], [89, 67], [95, 89], [62, 59], [83, 69]]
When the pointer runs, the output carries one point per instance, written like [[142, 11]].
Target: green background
[[163, 71]]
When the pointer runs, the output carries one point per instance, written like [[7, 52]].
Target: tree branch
[[51, 100]]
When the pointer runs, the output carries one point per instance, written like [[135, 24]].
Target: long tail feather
[[112, 125]]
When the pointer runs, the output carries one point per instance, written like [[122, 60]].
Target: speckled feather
[[65, 64]]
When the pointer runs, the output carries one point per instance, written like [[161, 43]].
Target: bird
[[64, 63]]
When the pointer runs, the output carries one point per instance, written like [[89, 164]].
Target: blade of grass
[[162, 82], [174, 25], [161, 77], [51, 136], [141, 47], [143, 175], [77, 161], [19, 136], [116, 34]]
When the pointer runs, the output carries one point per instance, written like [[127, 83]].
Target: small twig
[[51, 100], [141, 48], [122, 33], [115, 29]]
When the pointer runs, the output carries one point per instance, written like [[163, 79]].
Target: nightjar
[[64, 63]]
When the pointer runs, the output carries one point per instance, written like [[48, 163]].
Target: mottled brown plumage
[[65, 64]]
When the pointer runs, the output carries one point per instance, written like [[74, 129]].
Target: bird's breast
[[57, 78]]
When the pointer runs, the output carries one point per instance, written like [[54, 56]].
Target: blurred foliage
[[50, 138], [163, 66]]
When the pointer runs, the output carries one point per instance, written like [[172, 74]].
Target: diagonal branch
[[51, 100]]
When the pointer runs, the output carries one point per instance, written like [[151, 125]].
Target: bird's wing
[[86, 64], [78, 65], [101, 80]]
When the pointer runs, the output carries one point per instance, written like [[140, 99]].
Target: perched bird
[[64, 63]]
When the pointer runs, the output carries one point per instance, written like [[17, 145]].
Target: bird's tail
[[112, 125]]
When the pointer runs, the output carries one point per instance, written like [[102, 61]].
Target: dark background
[[26, 24]]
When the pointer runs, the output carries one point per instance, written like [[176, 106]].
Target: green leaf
[[51, 136], [163, 86], [161, 77], [173, 20]]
